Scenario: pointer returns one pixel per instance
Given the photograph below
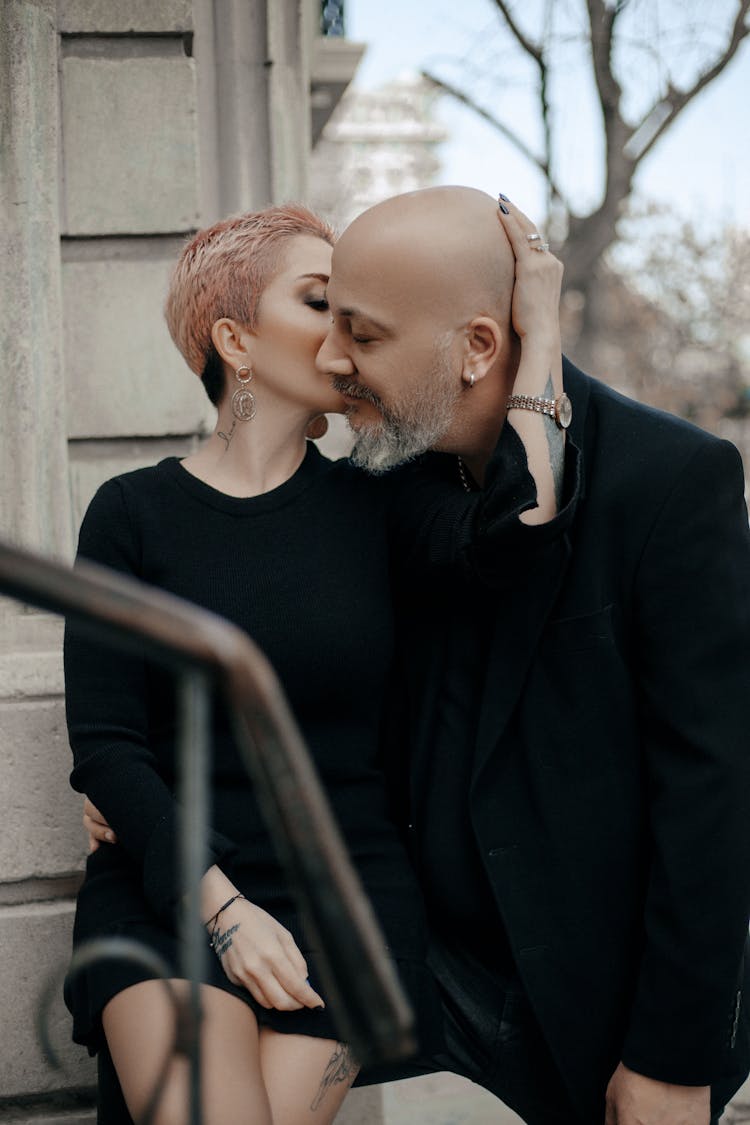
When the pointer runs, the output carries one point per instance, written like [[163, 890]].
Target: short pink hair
[[224, 270]]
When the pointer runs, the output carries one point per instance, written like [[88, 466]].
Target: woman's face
[[292, 322]]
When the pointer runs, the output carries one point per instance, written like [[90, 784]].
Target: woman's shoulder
[[114, 511], [134, 483]]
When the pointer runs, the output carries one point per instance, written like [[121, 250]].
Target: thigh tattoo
[[342, 1067]]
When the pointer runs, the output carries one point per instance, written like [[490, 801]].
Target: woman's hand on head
[[98, 830], [259, 954], [536, 293]]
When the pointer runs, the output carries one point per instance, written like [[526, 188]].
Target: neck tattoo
[[228, 437]]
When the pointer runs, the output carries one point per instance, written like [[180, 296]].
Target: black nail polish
[[504, 209], [503, 197]]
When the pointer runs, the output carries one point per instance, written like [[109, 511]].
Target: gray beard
[[417, 424]]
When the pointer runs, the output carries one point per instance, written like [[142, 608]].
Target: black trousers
[[492, 1038]]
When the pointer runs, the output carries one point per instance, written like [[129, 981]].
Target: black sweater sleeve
[[106, 693]]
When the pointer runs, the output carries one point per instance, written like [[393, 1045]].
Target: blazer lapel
[[423, 724], [520, 619], [517, 629]]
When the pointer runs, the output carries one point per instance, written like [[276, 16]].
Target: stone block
[[108, 17], [124, 375], [30, 653], [443, 1099], [129, 128], [35, 940], [738, 1110], [28, 1117], [24, 675], [91, 463], [42, 833], [362, 1107], [64, 1117]]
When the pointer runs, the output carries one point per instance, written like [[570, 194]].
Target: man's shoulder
[[644, 430]]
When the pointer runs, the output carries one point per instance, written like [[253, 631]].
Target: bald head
[[441, 248], [421, 342]]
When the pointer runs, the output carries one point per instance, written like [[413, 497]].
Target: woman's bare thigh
[[139, 1024], [306, 1079]]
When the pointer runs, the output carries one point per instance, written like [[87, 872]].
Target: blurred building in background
[[378, 143]]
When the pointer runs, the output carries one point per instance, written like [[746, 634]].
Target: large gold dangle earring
[[243, 400]]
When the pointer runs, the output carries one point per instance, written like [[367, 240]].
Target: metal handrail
[[207, 652]]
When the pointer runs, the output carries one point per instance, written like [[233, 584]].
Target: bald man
[[578, 798]]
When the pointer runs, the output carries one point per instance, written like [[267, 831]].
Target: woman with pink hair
[[259, 527]]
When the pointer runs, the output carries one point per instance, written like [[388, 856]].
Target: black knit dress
[[304, 569]]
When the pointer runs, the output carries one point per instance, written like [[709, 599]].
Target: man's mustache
[[355, 390]]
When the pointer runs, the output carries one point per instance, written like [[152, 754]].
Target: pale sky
[[701, 167]]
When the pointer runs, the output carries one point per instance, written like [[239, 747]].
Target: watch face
[[564, 412]]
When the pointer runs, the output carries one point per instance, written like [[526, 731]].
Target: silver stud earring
[[472, 377], [243, 400]]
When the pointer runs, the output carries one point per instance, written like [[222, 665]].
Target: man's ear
[[484, 343], [233, 342]]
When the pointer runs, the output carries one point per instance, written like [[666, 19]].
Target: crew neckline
[[313, 464]]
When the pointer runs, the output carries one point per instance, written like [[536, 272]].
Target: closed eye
[[319, 306]]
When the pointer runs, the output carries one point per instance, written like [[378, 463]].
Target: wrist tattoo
[[556, 446], [342, 1067], [221, 942]]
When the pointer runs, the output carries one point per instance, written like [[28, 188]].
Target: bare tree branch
[[515, 140], [531, 48], [544, 101], [674, 101], [619, 166], [536, 52], [602, 23], [589, 236]]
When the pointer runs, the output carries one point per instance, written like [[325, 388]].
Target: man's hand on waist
[[634, 1099]]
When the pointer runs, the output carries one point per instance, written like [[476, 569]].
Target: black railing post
[[192, 757]]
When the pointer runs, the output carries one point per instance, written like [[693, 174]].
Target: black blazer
[[611, 787]]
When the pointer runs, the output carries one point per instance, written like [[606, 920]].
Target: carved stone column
[[34, 500]]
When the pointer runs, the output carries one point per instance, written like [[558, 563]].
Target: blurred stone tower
[[378, 143]]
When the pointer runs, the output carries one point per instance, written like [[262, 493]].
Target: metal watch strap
[[532, 402]]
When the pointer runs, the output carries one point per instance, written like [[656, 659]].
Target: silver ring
[[542, 247], [534, 237]]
